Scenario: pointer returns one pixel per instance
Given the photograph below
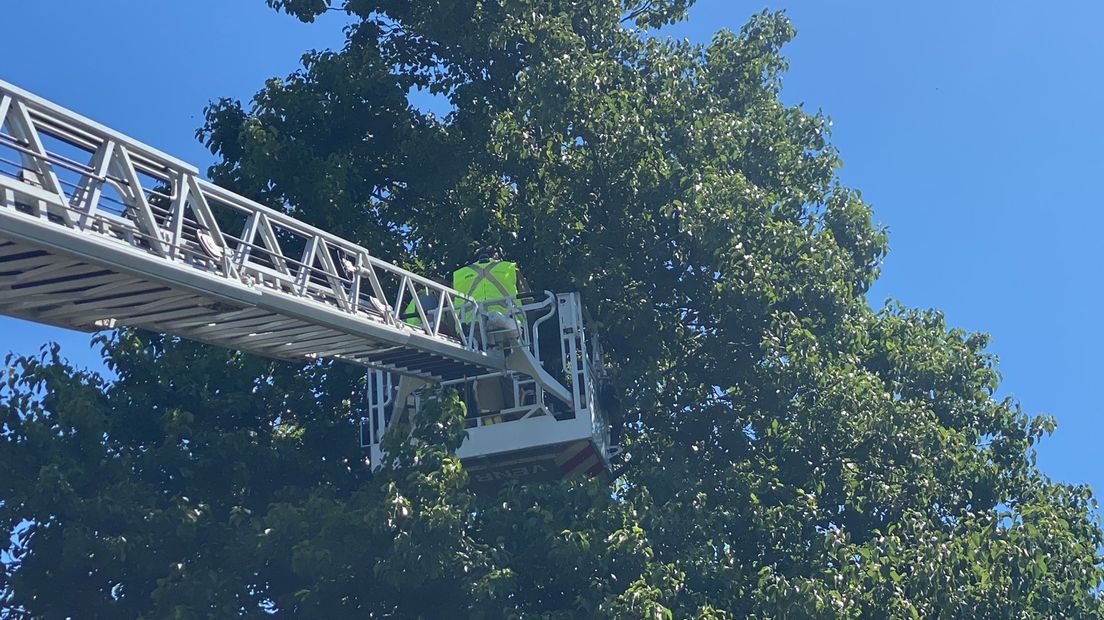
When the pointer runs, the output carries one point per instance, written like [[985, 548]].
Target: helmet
[[488, 252]]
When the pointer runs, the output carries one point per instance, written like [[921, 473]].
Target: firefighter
[[490, 278], [429, 301], [494, 283]]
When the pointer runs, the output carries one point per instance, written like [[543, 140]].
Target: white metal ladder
[[99, 230]]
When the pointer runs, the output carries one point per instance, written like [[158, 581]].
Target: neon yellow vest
[[429, 305], [487, 280]]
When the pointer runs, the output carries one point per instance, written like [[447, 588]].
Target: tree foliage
[[791, 452]]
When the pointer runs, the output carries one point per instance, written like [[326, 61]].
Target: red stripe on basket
[[574, 461]]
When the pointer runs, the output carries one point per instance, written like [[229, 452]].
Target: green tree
[[791, 452]]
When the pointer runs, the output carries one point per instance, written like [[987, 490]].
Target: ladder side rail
[[265, 274], [407, 278], [184, 223], [101, 242], [103, 224], [303, 274], [249, 264], [336, 281], [378, 298], [20, 146], [176, 213], [273, 248], [417, 279], [355, 282], [419, 308], [57, 113], [331, 272], [247, 254], [296, 226], [72, 214], [83, 132], [433, 320], [117, 160], [396, 309], [102, 168], [111, 163], [5, 106], [136, 200], [437, 314], [36, 166], [244, 248], [448, 308]]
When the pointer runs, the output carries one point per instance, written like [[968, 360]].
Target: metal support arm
[[521, 360]]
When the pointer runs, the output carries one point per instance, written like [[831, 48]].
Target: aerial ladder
[[99, 231]]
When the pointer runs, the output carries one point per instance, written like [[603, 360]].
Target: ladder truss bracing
[[98, 230]]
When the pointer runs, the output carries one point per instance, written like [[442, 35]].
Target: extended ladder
[[98, 230]]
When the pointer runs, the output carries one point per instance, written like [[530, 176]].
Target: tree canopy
[[789, 450]]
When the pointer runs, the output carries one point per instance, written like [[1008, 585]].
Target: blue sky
[[970, 126]]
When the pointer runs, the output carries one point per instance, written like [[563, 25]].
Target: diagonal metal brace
[[521, 360]]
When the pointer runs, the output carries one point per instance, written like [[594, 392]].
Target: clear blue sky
[[970, 126]]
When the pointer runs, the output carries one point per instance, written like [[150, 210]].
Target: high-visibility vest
[[429, 305], [487, 280]]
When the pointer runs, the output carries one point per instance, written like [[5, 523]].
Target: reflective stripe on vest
[[487, 281], [484, 282]]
